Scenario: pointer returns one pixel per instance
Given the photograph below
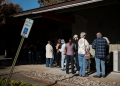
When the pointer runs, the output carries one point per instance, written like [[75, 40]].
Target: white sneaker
[[77, 72]]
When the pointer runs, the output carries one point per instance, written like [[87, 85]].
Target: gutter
[[61, 7]]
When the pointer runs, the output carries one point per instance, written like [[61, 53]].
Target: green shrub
[[14, 83]]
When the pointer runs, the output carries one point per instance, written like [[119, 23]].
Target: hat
[[62, 41], [75, 36]]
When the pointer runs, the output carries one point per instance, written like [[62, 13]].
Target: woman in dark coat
[[58, 53]]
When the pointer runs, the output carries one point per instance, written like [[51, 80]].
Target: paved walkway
[[112, 77], [20, 67]]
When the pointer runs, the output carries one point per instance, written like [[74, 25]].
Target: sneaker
[[96, 76], [63, 70], [77, 72]]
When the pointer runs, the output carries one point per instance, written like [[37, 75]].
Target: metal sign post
[[25, 32]]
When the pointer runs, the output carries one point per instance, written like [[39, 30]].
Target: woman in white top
[[82, 44], [63, 56]]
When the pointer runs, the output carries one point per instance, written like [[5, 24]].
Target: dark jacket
[[31, 46], [76, 47], [38, 47], [100, 45]]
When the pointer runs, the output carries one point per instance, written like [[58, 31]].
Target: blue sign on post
[[26, 28]]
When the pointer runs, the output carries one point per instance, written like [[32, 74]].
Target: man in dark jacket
[[100, 45], [76, 52]]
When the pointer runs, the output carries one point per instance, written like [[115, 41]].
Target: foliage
[[6, 10], [14, 83], [50, 2], [1, 2]]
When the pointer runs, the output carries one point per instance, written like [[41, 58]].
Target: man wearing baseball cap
[[75, 37]]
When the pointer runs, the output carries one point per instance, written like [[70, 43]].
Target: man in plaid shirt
[[100, 45]]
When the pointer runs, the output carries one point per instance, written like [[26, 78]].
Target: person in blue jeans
[[49, 55], [100, 46], [62, 54], [31, 52], [82, 46], [70, 56], [38, 49], [82, 64]]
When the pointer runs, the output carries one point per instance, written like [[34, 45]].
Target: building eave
[[56, 7]]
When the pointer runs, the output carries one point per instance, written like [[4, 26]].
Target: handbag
[[65, 50], [87, 54]]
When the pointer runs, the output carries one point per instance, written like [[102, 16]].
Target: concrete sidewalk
[[112, 77]]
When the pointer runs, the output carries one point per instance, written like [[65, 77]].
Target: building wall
[[104, 19], [100, 19], [57, 29]]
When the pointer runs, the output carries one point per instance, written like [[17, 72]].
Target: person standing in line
[[82, 46], [62, 54], [25, 51], [100, 45], [53, 45], [58, 53], [70, 56], [38, 49], [49, 54], [76, 52], [107, 54], [31, 51]]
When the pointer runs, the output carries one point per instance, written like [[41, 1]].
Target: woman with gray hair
[[82, 46]]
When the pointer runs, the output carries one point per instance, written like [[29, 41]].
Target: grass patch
[[14, 83]]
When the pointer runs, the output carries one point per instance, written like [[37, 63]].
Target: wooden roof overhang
[[52, 11]]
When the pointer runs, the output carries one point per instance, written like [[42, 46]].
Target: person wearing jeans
[[82, 64], [100, 46], [31, 55], [82, 45], [62, 62], [98, 62], [49, 55], [38, 49], [38, 57], [31, 51], [49, 60], [70, 56], [62, 54]]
